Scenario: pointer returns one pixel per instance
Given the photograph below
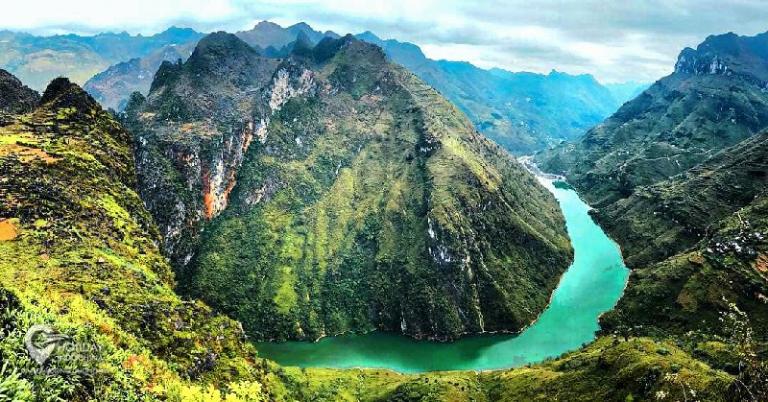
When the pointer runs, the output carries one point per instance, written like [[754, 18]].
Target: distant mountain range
[[522, 111], [36, 60]]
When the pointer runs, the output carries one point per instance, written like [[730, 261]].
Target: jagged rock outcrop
[[16, 97], [334, 191]]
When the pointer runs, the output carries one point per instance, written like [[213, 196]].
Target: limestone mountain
[[334, 191], [36, 60], [79, 252], [716, 98], [114, 86]]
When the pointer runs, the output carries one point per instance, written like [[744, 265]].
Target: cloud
[[615, 41]]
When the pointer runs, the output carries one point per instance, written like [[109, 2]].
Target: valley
[[285, 214]]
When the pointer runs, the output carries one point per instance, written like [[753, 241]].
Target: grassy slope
[[699, 242], [79, 252], [677, 123], [329, 219]]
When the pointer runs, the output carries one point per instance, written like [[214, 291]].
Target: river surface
[[591, 286]]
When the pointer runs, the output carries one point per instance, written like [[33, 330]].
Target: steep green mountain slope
[[335, 192], [678, 177], [78, 251], [38, 59], [113, 86], [523, 112], [700, 242], [715, 98]]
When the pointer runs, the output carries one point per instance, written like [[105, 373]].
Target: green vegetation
[[84, 259], [610, 369], [348, 196], [678, 177], [679, 122], [79, 252]]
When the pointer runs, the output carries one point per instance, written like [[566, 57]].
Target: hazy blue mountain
[[36, 60], [521, 111], [626, 91], [113, 87]]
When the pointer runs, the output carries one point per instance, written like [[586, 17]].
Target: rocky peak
[[727, 54], [219, 49], [62, 93], [15, 97], [329, 47]]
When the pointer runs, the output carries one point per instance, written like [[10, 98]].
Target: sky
[[615, 41]]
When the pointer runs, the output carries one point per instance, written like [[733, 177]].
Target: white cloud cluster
[[615, 41]]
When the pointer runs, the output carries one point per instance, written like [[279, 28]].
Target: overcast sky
[[613, 40]]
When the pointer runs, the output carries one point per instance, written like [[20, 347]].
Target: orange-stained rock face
[[761, 264], [7, 230], [220, 179]]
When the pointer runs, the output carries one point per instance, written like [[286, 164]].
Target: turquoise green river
[[591, 286]]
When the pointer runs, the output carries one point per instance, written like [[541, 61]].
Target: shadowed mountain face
[[334, 191], [37, 60], [16, 97]]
